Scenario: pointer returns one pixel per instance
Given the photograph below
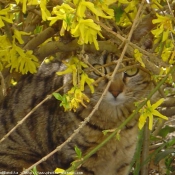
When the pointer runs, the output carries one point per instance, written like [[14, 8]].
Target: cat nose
[[115, 93]]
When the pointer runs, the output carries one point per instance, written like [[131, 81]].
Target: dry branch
[[169, 112], [31, 112], [39, 39], [169, 102]]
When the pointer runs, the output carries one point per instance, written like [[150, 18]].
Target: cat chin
[[114, 102], [119, 100]]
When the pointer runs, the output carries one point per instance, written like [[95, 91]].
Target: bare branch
[[169, 112], [32, 111], [145, 150], [4, 92], [40, 38], [169, 102]]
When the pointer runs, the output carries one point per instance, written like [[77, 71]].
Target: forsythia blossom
[[164, 26], [148, 112], [60, 171]]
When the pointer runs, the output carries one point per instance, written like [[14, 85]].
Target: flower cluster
[[148, 112], [74, 19], [75, 96]]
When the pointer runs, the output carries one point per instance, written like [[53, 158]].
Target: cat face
[[127, 86], [124, 88]]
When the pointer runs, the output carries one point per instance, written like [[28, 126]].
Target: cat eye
[[131, 72], [100, 71]]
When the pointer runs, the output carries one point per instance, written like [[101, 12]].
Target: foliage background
[[33, 30]]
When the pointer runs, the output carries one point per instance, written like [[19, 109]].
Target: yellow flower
[[98, 11], [45, 12], [156, 4], [76, 98], [157, 32], [89, 81], [74, 65], [164, 21], [5, 16], [148, 112], [138, 57], [64, 13], [21, 61], [87, 32], [164, 26], [17, 35], [59, 170], [70, 69], [104, 5], [62, 171]]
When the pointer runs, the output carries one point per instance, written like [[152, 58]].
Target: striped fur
[[50, 126]]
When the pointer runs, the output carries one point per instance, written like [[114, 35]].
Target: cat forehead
[[94, 59], [101, 58]]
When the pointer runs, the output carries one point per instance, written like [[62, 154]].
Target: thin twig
[[145, 150], [119, 38], [4, 92], [159, 125], [118, 71], [137, 155], [32, 111], [22, 121]]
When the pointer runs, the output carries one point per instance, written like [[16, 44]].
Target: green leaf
[[118, 12], [38, 29], [78, 152], [163, 154], [166, 130], [34, 171], [105, 132], [57, 96], [63, 99]]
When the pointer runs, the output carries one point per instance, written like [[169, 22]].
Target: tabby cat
[[49, 126]]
